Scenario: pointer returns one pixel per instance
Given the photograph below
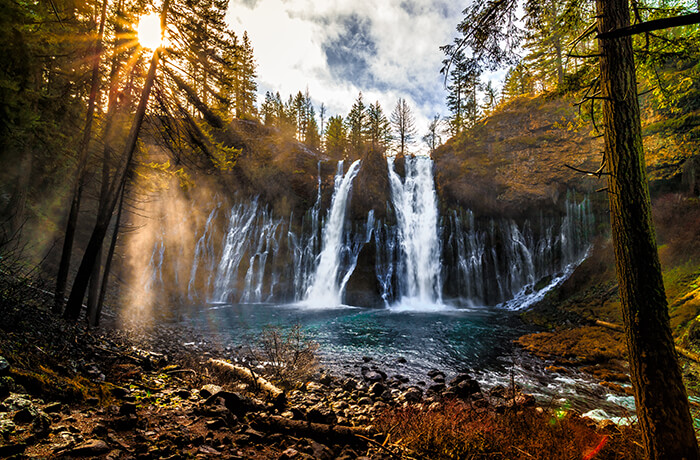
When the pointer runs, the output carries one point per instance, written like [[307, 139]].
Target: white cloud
[[397, 52]]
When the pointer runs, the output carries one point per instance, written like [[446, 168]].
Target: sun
[[149, 32]]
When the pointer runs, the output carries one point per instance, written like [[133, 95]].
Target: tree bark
[[94, 315], [104, 215], [662, 404], [71, 225]]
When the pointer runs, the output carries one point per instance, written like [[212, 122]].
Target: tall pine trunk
[[71, 225], [104, 215], [662, 404]]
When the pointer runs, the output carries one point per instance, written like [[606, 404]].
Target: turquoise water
[[478, 340]]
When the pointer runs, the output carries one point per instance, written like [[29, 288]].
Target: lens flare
[[149, 31]]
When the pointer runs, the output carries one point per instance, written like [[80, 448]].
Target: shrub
[[456, 430], [288, 355]]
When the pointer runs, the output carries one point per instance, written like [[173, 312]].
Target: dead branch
[[273, 393], [320, 431]]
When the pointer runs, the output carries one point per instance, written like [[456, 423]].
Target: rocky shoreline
[[70, 393]]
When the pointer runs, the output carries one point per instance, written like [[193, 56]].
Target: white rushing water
[[326, 289], [415, 205]]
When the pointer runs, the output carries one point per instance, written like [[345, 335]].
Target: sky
[[336, 48]]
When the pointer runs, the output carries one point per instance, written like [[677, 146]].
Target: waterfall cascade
[[415, 204], [330, 276], [246, 254]]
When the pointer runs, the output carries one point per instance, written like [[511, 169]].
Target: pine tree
[[462, 96], [336, 140], [404, 125], [356, 123], [246, 86], [378, 130], [518, 82]]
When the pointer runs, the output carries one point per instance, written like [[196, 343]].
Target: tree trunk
[[94, 316], [104, 215], [71, 225], [662, 404]]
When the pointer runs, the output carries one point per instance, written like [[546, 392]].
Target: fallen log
[[319, 431], [272, 393], [612, 326]]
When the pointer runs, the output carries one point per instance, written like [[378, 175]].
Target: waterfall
[[503, 262], [243, 253], [326, 289], [415, 205]]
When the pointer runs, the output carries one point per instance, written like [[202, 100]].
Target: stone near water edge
[[372, 376], [377, 388], [413, 395]]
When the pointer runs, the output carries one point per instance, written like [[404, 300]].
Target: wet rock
[[4, 367], [372, 376], [208, 390], [25, 415], [377, 388], [436, 388], [401, 360], [525, 400], [413, 395], [326, 379], [91, 447], [465, 387], [14, 403], [364, 401], [366, 359], [436, 376], [349, 384]]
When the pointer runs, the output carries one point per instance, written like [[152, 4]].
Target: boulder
[[208, 390], [4, 367], [90, 448]]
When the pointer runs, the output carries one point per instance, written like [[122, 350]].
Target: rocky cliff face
[[513, 163]]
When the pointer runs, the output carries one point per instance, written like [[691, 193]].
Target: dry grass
[[458, 431]]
